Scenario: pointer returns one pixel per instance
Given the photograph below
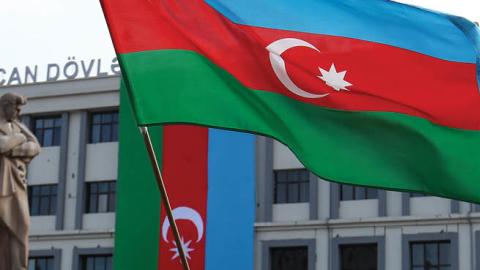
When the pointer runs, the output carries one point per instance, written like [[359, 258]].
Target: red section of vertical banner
[[185, 170]]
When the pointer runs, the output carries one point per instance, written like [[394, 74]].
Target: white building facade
[[72, 182], [303, 222]]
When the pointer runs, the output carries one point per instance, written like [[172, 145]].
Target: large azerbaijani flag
[[372, 93], [209, 175]]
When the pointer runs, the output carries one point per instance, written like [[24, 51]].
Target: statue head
[[10, 104]]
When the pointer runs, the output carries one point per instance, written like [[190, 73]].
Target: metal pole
[[163, 192]]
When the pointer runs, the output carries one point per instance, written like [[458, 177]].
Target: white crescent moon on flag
[[276, 49], [184, 213]]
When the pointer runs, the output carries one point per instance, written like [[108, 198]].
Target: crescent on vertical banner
[[184, 213], [276, 49]]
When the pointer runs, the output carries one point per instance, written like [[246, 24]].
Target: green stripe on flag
[[138, 200], [379, 149]]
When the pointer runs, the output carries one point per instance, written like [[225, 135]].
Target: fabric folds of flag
[[371, 93]]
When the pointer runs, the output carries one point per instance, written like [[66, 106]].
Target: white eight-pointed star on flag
[[334, 79], [186, 249]]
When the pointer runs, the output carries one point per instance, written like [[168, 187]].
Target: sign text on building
[[70, 70]]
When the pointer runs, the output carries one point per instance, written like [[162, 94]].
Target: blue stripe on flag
[[380, 21], [231, 201], [472, 32]]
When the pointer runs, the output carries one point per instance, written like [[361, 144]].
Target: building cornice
[[66, 87], [473, 218], [72, 235]]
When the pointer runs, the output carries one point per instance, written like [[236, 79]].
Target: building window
[[103, 127], [350, 193], [101, 197], [358, 257], [42, 200], [289, 258], [41, 263], [48, 130], [96, 262], [291, 186], [430, 255]]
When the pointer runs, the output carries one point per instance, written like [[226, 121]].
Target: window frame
[[80, 252], [84, 261], [91, 124], [355, 190], [288, 182], [48, 260], [339, 241], [298, 254], [55, 200], [424, 244], [429, 237], [109, 193], [55, 253], [55, 117], [267, 245], [335, 201]]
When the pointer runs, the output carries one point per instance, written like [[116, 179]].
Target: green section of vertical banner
[[138, 199]]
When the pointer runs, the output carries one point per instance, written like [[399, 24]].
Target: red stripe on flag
[[185, 170], [383, 78]]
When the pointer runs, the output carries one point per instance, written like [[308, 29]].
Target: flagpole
[[163, 193]]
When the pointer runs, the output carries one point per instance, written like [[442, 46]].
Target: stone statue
[[18, 146]]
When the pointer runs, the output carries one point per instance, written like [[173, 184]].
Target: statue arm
[[27, 133], [8, 142], [26, 150], [30, 148]]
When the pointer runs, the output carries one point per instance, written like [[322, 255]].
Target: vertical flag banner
[[210, 177], [371, 93], [138, 201]]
